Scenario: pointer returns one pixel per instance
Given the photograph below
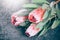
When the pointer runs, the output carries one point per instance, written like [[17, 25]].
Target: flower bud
[[15, 20], [32, 30], [19, 17], [36, 15]]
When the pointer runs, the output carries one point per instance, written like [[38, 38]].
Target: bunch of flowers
[[41, 14]]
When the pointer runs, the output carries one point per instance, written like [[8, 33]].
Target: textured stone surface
[[10, 32]]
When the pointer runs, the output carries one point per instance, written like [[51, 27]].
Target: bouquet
[[41, 15]]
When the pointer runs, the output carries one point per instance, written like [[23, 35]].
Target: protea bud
[[36, 15], [32, 30], [19, 17]]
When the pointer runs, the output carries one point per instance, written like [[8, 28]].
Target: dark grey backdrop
[[10, 32]]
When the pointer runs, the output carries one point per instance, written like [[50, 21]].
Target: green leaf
[[57, 11], [30, 10], [22, 12], [39, 1], [45, 6], [55, 24], [57, 7], [46, 27], [43, 31], [58, 14], [53, 11], [32, 6], [46, 14], [41, 24]]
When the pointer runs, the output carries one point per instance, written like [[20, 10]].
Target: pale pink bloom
[[32, 30], [15, 20], [18, 17], [36, 15]]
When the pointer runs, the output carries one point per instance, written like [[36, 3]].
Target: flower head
[[32, 30], [36, 15], [19, 17], [17, 20]]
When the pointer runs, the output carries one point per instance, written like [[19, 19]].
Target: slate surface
[[10, 32]]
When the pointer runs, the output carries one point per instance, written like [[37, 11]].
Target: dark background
[[10, 32]]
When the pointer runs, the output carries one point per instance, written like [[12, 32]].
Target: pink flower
[[36, 15], [16, 20], [32, 30], [19, 17]]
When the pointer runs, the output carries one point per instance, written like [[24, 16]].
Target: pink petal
[[15, 20], [36, 15], [32, 30]]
